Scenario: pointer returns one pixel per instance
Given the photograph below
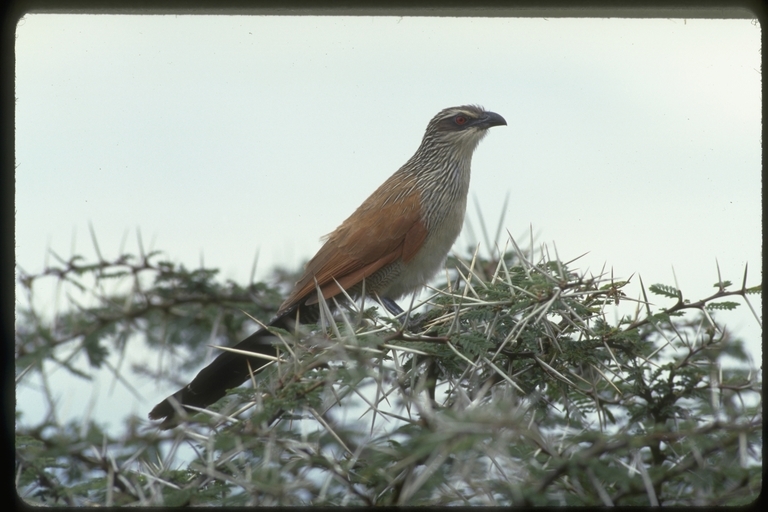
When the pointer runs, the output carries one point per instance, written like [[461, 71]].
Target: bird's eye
[[460, 120]]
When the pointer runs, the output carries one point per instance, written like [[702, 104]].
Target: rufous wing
[[377, 234]]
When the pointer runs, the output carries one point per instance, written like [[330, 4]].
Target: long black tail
[[227, 371]]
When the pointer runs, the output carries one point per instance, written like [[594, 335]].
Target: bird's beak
[[490, 119]]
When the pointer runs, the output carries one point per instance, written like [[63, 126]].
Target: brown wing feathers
[[362, 245]]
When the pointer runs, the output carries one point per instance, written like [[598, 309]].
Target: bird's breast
[[443, 213]]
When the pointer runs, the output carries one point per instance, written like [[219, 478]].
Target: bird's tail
[[227, 371]]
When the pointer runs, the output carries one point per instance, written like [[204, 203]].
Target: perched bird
[[389, 247]]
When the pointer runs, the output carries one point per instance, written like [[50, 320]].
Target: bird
[[391, 246]]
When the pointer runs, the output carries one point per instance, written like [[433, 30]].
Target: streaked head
[[463, 126]]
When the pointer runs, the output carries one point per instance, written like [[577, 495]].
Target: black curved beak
[[490, 119]]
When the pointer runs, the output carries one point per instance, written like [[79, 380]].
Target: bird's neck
[[442, 180]]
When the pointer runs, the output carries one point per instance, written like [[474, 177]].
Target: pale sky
[[635, 140]]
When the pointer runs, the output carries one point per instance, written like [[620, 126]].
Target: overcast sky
[[637, 141]]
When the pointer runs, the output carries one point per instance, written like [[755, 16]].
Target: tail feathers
[[227, 371]]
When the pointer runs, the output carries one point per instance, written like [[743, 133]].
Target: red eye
[[459, 120]]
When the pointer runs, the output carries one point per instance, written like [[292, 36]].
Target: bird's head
[[462, 127]]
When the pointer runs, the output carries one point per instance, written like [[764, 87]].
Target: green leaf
[[727, 305], [667, 291]]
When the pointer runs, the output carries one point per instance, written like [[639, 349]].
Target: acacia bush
[[512, 384]]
